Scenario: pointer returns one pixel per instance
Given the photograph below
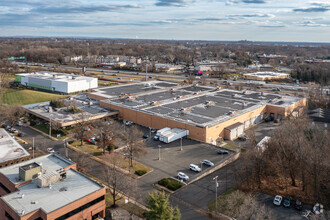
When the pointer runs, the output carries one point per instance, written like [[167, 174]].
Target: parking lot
[[281, 212], [173, 160]]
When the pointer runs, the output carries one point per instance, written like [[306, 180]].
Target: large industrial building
[[49, 187], [57, 82], [10, 151], [210, 114], [265, 76]]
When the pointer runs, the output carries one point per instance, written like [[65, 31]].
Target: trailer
[[173, 135], [159, 132]]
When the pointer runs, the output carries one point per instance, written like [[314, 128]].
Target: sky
[[254, 20]]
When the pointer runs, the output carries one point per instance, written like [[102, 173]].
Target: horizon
[[305, 21]]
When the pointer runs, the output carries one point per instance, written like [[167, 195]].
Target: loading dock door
[[247, 124], [233, 134], [233, 131], [240, 130]]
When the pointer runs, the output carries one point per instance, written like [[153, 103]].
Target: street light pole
[[33, 147], [50, 121], [159, 151], [201, 165], [146, 71], [181, 144], [216, 193]]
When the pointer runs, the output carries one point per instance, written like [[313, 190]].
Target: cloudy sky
[[258, 20]]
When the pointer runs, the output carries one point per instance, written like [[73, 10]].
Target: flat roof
[[63, 77], [49, 162], [62, 193], [90, 108], [133, 88], [266, 74], [198, 105], [9, 148]]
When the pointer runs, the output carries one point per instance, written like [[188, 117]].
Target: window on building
[[8, 216], [81, 208], [4, 188]]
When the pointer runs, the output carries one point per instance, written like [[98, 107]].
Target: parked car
[[92, 141], [277, 200], [20, 135], [128, 123], [318, 209], [208, 163], [243, 138], [183, 176], [13, 130], [19, 124], [222, 152], [195, 168], [50, 150], [153, 130], [277, 120], [298, 205], [145, 136], [287, 202], [156, 137]]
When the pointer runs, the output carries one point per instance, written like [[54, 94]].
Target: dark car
[[287, 202], [20, 135], [145, 136], [243, 138], [298, 205], [222, 152]]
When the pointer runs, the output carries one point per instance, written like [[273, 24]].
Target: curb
[[43, 133]]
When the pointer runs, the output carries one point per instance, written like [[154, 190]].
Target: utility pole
[[33, 147], [216, 193], [159, 151], [66, 148], [180, 144], [146, 71], [50, 121]]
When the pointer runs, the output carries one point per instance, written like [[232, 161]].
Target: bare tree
[[13, 113], [81, 160], [191, 79], [104, 130], [135, 145], [80, 130], [117, 181]]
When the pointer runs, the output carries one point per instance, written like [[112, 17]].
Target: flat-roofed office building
[[49, 187]]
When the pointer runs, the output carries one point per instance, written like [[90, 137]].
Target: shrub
[[71, 142], [140, 172], [57, 103], [170, 183]]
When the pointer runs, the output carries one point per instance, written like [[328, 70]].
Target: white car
[[183, 176], [318, 208], [208, 163], [277, 200], [128, 123], [195, 168], [50, 150]]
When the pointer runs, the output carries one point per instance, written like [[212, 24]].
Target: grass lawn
[[89, 148], [123, 163], [45, 128], [26, 96], [106, 83], [130, 207]]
